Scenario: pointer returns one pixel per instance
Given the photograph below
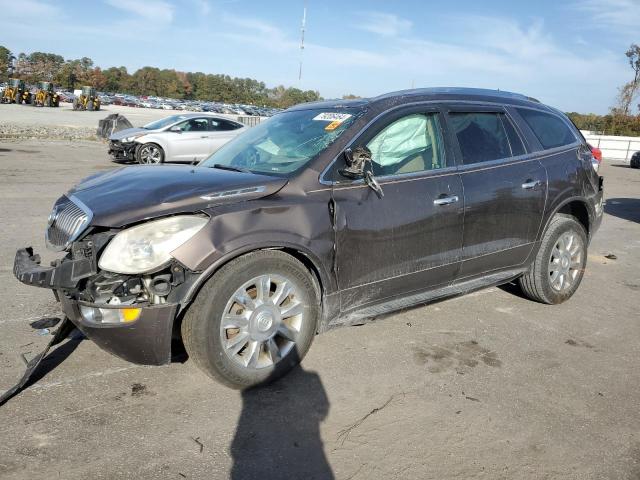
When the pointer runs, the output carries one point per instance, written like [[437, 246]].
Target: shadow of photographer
[[278, 432]]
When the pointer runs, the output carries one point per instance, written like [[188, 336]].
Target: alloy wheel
[[261, 321], [565, 262], [150, 154]]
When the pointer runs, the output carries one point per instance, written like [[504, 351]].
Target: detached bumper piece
[[64, 274], [65, 328]]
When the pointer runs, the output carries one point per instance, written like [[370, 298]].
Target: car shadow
[[278, 432], [625, 208]]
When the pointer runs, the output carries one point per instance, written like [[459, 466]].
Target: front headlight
[[133, 137], [146, 247]]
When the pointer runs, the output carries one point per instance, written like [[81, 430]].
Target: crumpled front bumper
[[146, 341], [122, 151]]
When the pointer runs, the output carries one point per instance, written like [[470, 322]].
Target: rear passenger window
[[549, 129], [482, 136], [219, 125]]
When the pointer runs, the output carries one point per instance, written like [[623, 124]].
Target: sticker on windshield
[[333, 125], [332, 117]]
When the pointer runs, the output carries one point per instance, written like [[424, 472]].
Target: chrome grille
[[67, 221]]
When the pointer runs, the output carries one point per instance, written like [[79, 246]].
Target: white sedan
[[188, 137]]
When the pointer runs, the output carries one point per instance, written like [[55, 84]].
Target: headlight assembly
[[132, 137], [144, 248]]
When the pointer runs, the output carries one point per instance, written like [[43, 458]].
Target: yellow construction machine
[[15, 92], [45, 96], [87, 100]]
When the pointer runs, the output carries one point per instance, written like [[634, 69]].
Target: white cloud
[[11, 8], [618, 16], [385, 24], [152, 10]]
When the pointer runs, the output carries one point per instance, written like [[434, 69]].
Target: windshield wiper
[[233, 169]]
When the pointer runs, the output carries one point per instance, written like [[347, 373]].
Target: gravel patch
[[10, 131]]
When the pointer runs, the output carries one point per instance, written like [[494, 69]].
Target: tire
[[90, 105], [635, 160], [76, 104], [209, 345], [541, 283], [149, 154]]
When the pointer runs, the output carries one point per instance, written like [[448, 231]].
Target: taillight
[[597, 153]]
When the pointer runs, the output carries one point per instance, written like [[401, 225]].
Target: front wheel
[[149, 154], [559, 265], [254, 320]]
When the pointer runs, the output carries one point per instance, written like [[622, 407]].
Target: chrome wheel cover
[[261, 321], [565, 262], [150, 154]]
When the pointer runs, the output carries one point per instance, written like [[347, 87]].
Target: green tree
[[5, 59]]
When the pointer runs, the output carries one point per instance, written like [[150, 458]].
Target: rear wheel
[[90, 105], [150, 153], [559, 265], [254, 320]]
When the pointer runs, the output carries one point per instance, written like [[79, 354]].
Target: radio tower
[[304, 22]]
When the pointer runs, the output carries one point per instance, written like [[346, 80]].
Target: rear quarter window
[[549, 129]]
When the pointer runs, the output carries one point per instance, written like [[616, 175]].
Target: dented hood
[[128, 195]]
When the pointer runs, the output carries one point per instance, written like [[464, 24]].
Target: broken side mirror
[[358, 163]]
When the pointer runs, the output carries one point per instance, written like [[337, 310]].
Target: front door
[[192, 143], [505, 190], [411, 239]]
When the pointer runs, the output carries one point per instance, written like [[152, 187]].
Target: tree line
[[72, 73]]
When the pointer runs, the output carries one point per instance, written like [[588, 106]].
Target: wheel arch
[[307, 258], [576, 207]]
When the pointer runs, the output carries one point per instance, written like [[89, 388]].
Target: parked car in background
[[635, 160], [188, 137], [324, 215]]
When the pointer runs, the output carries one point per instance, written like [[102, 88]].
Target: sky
[[567, 53]]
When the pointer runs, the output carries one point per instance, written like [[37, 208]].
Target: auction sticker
[[332, 117]]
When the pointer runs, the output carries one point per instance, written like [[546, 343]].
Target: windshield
[[165, 122], [284, 143]]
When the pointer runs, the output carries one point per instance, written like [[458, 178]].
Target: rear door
[[411, 239], [505, 189], [221, 131]]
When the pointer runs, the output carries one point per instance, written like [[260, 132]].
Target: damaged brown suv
[[324, 215]]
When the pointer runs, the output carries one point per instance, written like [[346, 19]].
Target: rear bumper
[[146, 341]]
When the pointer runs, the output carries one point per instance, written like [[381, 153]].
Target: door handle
[[446, 200], [204, 136], [531, 184]]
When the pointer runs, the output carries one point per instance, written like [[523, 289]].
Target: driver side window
[[194, 125], [409, 144]]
